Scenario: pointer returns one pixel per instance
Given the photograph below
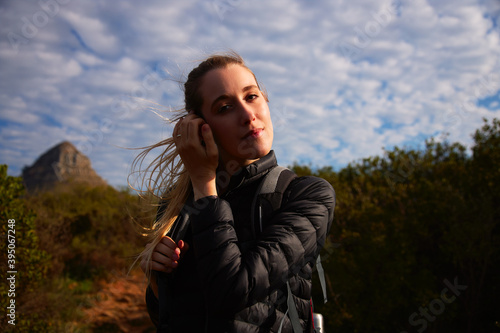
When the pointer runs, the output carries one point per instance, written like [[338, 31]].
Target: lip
[[254, 133]]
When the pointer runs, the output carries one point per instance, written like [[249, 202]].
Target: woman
[[222, 274]]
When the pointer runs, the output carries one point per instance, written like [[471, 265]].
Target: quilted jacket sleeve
[[232, 279]]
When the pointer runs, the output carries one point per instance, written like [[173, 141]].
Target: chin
[[264, 152], [256, 152], [244, 159]]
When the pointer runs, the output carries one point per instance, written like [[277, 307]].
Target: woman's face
[[238, 115]]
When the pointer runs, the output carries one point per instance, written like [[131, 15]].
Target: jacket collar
[[249, 173]]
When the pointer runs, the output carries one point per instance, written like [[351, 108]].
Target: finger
[[156, 266], [168, 247], [193, 130], [210, 144], [163, 260], [168, 242], [183, 246], [173, 254], [183, 134], [161, 268], [182, 128], [177, 127]]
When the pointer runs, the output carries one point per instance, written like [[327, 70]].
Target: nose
[[247, 113]]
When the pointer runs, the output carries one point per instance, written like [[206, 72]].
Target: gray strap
[[321, 274], [294, 316], [282, 321], [269, 186], [260, 218]]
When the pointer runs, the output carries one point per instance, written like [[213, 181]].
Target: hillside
[[119, 306], [60, 164]]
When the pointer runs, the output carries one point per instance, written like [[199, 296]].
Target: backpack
[[267, 200]]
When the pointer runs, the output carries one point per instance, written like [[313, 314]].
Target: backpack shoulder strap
[[268, 198], [269, 195], [273, 182]]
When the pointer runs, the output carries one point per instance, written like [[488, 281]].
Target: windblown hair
[[165, 178]]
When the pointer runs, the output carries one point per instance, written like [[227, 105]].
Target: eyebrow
[[225, 96]]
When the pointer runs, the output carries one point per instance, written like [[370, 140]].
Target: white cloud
[[19, 116], [93, 32]]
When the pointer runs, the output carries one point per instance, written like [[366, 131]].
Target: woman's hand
[[165, 258], [196, 146], [166, 255]]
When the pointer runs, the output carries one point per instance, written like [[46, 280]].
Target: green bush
[[406, 223], [28, 260], [67, 240], [89, 231]]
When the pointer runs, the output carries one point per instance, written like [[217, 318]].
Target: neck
[[225, 171], [233, 166]]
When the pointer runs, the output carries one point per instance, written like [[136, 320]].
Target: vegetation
[[22, 261], [408, 226], [78, 236], [414, 245]]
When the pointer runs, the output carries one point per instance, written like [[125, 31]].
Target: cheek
[[266, 117], [221, 133]]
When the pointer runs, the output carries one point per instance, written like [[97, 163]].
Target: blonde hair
[[165, 177]]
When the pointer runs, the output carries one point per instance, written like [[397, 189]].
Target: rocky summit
[[62, 163]]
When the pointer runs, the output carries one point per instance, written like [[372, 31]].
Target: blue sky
[[345, 78]]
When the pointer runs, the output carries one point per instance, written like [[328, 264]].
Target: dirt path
[[120, 306]]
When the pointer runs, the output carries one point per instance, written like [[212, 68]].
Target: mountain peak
[[61, 163]]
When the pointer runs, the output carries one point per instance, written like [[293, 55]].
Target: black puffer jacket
[[233, 279]]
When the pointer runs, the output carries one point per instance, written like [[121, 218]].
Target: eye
[[224, 108], [252, 96]]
